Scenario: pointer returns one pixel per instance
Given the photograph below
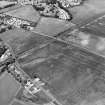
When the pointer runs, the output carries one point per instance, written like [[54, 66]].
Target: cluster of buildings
[[9, 64], [4, 27], [31, 86], [9, 22], [6, 57], [64, 3], [5, 54], [69, 3], [48, 8], [53, 8]]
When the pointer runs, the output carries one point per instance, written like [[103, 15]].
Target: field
[[52, 27], [88, 11], [21, 41], [96, 27], [74, 75], [26, 13], [71, 74], [8, 89]]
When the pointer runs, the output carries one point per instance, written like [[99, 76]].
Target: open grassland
[[8, 89], [89, 10]]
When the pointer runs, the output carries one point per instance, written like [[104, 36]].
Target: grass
[[8, 89]]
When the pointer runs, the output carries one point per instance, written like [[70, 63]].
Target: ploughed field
[[73, 75]]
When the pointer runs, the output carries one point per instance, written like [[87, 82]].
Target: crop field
[[71, 74], [21, 41], [74, 75]]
